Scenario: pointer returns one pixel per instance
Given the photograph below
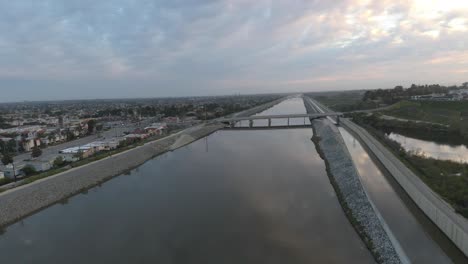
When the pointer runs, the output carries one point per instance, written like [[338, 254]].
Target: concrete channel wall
[[439, 211]]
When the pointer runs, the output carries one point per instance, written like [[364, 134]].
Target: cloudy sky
[[56, 49]]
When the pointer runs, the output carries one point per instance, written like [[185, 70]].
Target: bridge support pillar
[[338, 120], [232, 124], [269, 122], [250, 123]]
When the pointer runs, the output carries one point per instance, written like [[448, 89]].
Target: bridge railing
[[318, 115]]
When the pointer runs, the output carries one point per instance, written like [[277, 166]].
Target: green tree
[[70, 136], [11, 146], [58, 162], [29, 170], [91, 126], [7, 158], [36, 152]]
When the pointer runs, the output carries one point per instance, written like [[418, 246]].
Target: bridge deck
[[316, 115], [267, 127]]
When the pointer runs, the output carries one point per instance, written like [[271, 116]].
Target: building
[[156, 128], [29, 143], [438, 97], [41, 165], [172, 119], [136, 136], [73, 154], [10, 173]]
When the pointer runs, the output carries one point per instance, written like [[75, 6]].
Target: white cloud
[[216, 43]]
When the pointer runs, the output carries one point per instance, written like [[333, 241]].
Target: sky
[[85, 49]]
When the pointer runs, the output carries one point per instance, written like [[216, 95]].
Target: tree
[[11, 146], [70, 136], [8, 159], [91, 126], [29, 170], [36, 152], [58, 162]]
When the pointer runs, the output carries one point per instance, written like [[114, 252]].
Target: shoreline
[[351, 195], [356, 204], [26, 200]]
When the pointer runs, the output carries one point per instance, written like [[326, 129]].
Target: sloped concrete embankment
[[355, 203], [23, 201]]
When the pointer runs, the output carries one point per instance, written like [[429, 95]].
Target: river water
[[432, 149], [421, 240], [233, 197]]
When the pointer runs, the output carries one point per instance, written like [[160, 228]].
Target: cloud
[[175, 47]]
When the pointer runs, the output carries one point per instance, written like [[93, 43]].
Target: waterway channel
[[233, 197], [420, 239]]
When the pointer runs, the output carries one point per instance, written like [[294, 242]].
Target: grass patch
[[43, 175], [430, 111], [343, 101]]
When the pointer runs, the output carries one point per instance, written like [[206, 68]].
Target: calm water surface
[[290, 106], [234, 197], [416, 234], [431, 149]]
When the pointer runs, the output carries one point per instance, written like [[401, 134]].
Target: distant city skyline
[[56, 50]]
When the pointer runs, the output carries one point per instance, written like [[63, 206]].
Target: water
[[431, 149], [290, 106], [234, 197], [421, 240]]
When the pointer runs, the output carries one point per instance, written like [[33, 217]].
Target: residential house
[[41, 164], [29, 143], [71, 154], [10, 173]]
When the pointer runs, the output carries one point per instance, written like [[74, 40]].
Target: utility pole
[[206, 117], [14, 170]]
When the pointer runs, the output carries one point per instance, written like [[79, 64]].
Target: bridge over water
[[231, 122]]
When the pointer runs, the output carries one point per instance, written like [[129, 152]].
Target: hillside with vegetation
[[454, 114]]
